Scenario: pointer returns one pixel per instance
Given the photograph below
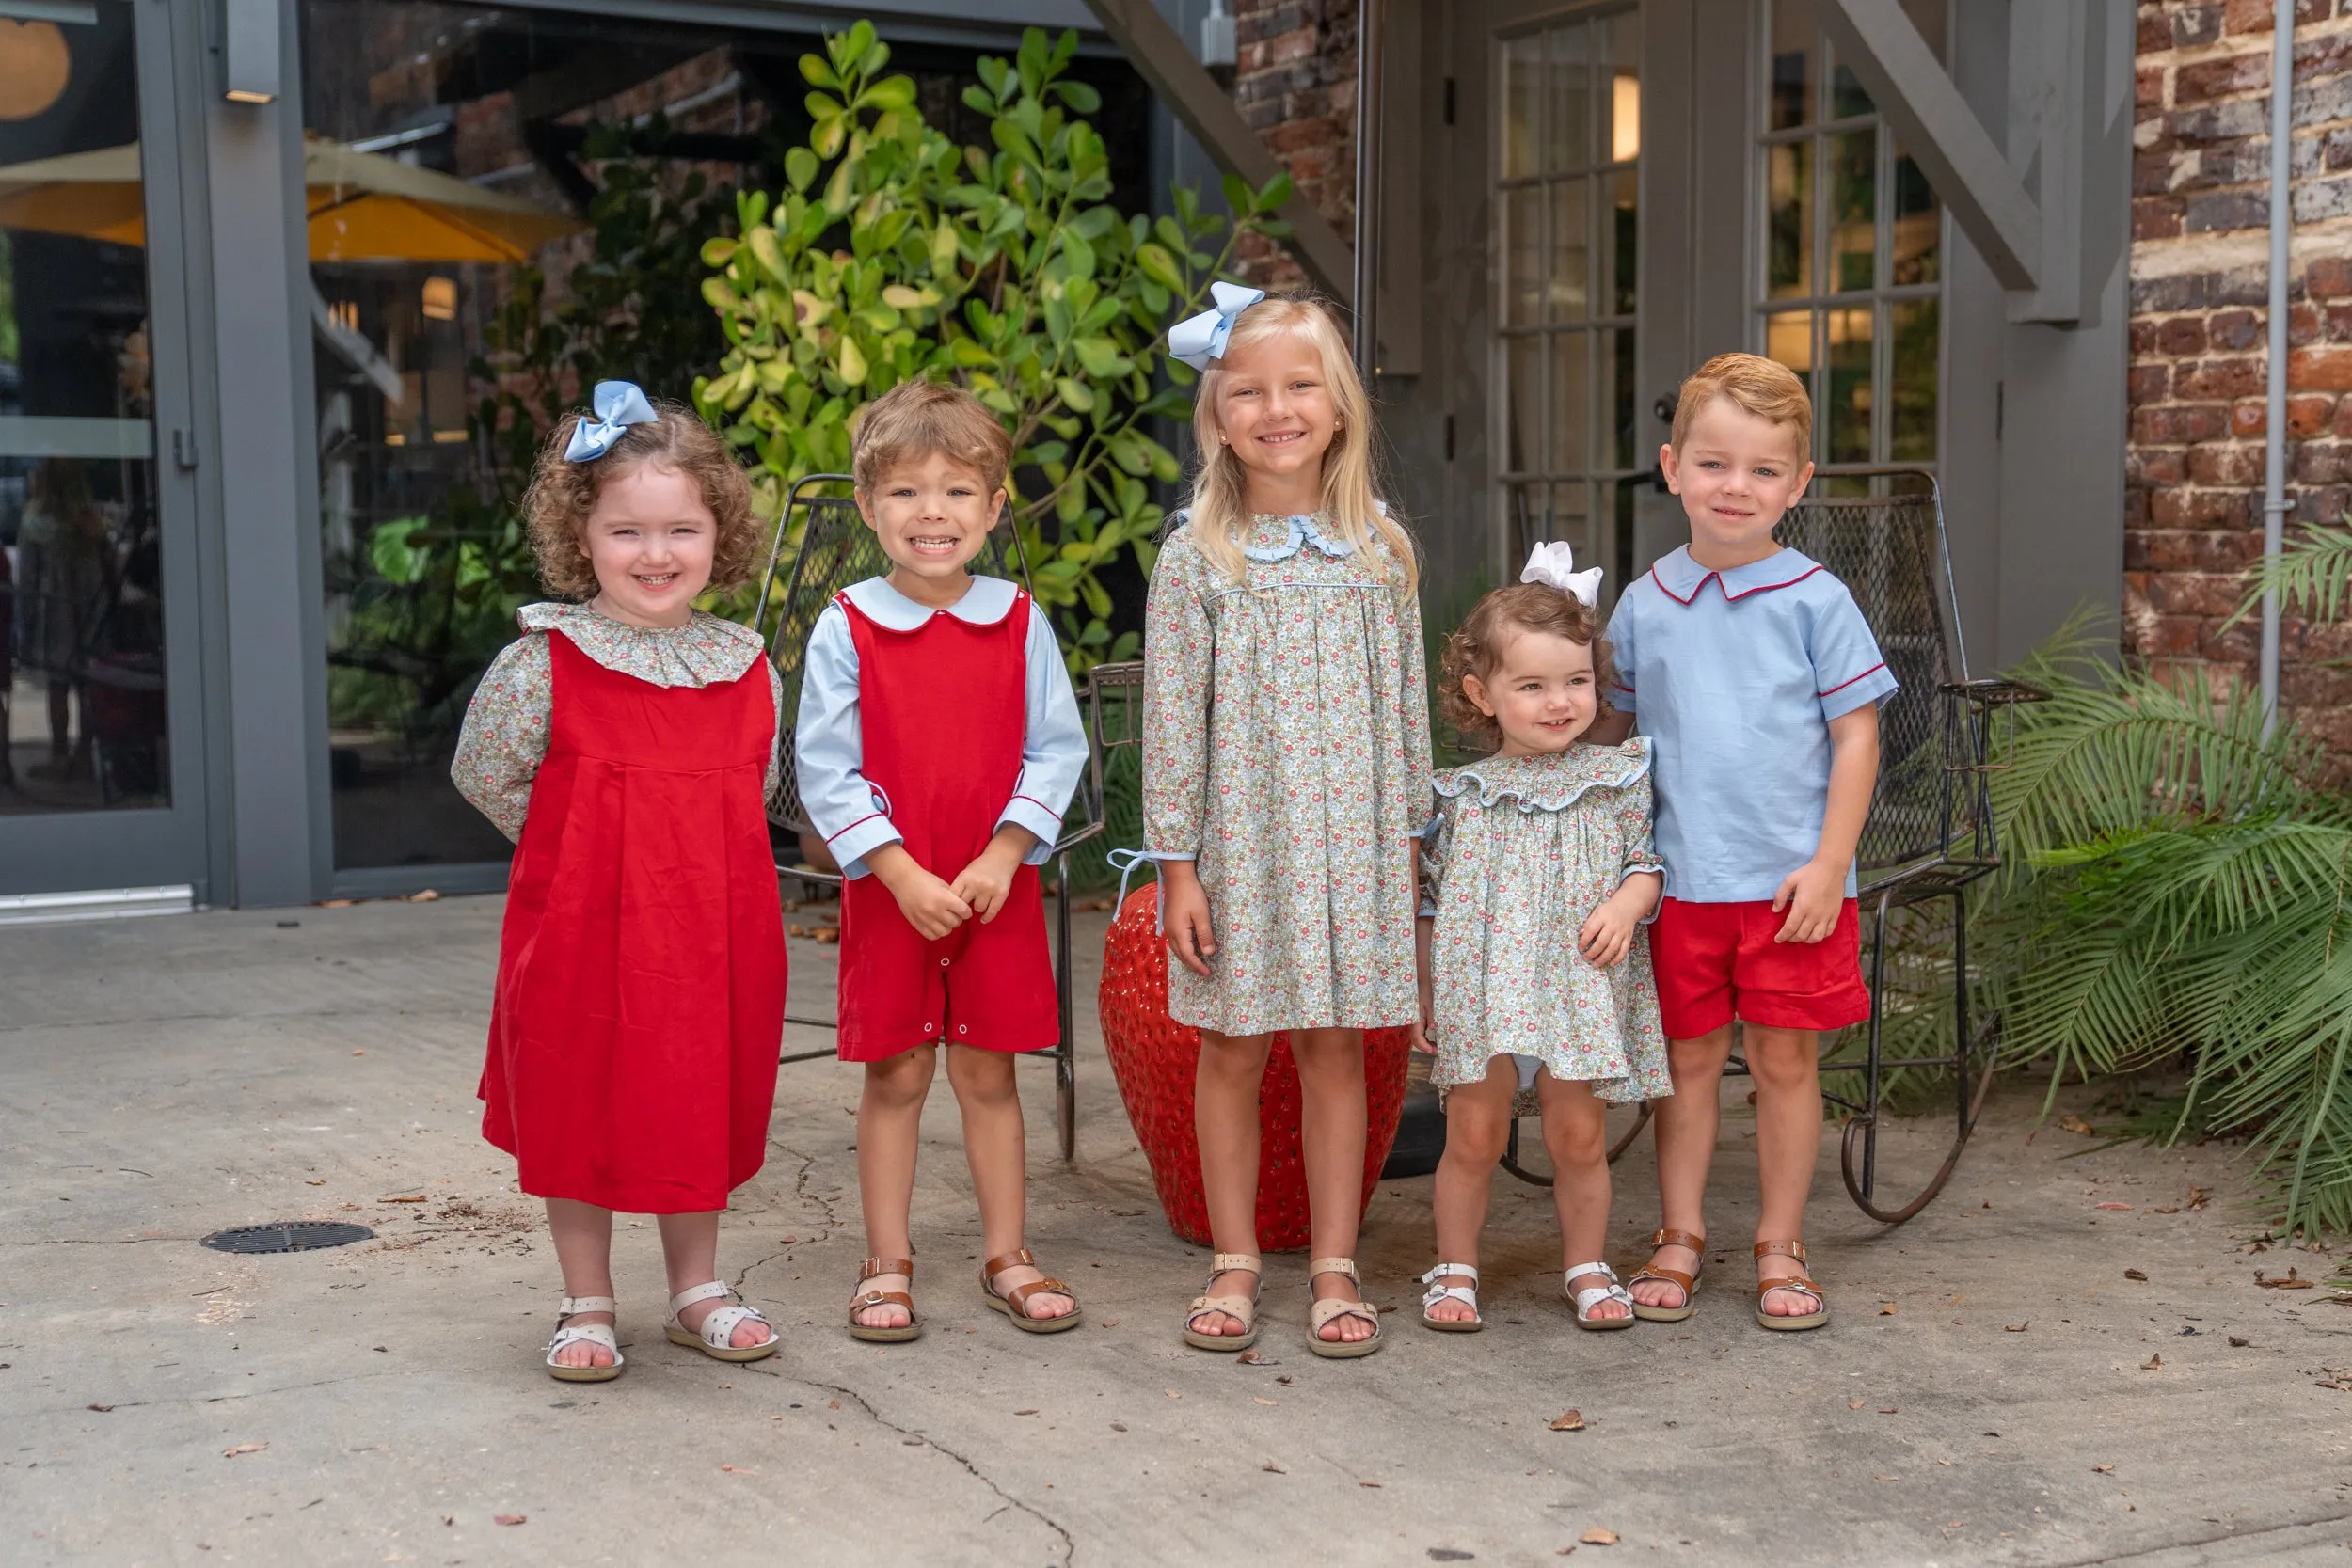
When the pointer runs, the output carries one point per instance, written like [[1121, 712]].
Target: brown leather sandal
[[873, 1268], [1687, 1283], [1013, 1304], [1800, 1282]]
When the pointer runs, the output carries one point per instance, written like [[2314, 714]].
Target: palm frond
[[2311, 576]]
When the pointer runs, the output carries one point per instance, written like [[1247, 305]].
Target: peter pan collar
[[1681, 577], [707, 650], [988, 601], [1302, 530]]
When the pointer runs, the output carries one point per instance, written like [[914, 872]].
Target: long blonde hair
[[1220, 514]]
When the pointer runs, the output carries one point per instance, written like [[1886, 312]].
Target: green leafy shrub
[[893, 253]]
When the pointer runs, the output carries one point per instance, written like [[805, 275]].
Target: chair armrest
[[1988, 689]]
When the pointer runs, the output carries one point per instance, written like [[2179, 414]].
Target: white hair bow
[[1199, 340], [1554, 564]]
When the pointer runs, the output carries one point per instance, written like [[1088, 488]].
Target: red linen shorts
[[1715, 961]]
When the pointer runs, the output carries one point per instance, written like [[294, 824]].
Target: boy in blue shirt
[[1754, 675]]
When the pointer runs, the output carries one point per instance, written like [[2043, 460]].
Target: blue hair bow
[[618, 405], [1199, 340]]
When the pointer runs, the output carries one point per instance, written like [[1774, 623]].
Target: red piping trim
[[858, 823], [1865, 675], [1032, 801], [1729, 597]]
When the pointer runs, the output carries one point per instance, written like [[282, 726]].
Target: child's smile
[[933, 516], [1737, 473], [1540, 694], [651, 542]]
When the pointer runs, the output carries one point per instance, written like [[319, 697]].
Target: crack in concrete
[[2231, 1537], [231, 1399], [90, 1241], [802, 1192], [1069, 1543]]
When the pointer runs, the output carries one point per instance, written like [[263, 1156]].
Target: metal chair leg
[[1066, 1053]]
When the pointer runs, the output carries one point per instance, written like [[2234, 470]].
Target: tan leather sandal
[[1242, 1308], [1687, 1283], [874, 1268], [1800, 1282], [1014, 1304], [1323, 1312]]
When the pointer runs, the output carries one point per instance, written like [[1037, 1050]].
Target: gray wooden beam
[[1192, 95], [1942, 135]]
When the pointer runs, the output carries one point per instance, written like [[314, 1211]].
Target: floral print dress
[[1522, 850], [1286, 752]]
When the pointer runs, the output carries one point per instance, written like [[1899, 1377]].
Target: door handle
[[183, 449]]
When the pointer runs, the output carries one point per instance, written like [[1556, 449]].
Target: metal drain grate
[[287, 1236]]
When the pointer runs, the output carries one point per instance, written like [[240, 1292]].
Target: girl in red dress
[[627, 743], [938, 743]]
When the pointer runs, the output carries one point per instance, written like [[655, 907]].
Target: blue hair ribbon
[[1199, 340], [618, 404]]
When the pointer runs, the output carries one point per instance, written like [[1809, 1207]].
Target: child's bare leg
[[1477, 1125], [689, 1253], [583, 1250], [1687, 1124], [1575, 1135], [1332, 1121], [889, 1127], [1225, 1121], [1786, 1064], [994, 1143]]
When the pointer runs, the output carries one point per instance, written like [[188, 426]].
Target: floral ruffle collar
[[707, 650], [1551, 783], [1302, 530]]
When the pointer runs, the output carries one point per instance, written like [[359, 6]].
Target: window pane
[[1788, 219], [1625, 85], [1569, 285], [1911, 421], [1522, 84], [1788, 337], [1918, 219], [1524, 414], [1847, 401], [82, 693], [1524, 247], [1846, 97], [1571, 518], [1569, 134], [1618, 374], [1624, 242], [1571, 403], [1796, 57], [1853, 211]]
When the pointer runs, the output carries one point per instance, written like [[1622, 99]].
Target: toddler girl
[[1535, 968], [627, 742], [1286, 747]]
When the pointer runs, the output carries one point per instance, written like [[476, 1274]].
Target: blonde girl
[[1286, 768]]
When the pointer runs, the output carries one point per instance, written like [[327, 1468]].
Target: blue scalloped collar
[[1303, 531]]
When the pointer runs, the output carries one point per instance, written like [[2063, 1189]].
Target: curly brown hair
[[1476, 647], [562, 494]]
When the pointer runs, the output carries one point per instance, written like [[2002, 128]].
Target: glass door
[[101, 775]]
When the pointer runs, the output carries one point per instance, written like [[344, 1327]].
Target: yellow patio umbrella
[[362, 206]]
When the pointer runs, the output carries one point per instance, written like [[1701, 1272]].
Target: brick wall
[[2199, 361], [1294, 83]]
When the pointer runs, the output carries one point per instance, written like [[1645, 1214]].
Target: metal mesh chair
[[831, 548], [1931, 832]]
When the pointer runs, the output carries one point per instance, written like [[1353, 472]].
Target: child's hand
[[1607, 935], [931, 906], [988, 880], [1813, 895], [1185, 914]]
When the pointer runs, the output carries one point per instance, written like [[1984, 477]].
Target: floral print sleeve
[[1416, 700], [773, 784], [1178, 642], [505, 734]]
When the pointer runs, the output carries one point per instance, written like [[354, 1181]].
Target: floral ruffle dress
[[1286, 752], [1522, 850]]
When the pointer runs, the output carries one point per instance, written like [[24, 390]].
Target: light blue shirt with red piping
[[1735, 675]]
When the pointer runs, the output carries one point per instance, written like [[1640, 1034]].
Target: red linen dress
[[942, 712], [632, 1059]]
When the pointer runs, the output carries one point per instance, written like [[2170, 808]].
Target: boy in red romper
[[938, 744]]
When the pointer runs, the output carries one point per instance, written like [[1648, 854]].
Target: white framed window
[[1567, 194], [1848, 248]]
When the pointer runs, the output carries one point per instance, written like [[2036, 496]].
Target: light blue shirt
[[830, 747], [1735, 676]]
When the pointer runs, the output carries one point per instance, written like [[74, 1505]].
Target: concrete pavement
[[1995, 1387]]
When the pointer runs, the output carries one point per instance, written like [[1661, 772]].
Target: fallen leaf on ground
[[1119, 1426], [1853, 1404], [2292, 1282], [1025, 1411], [2135, 1273], [1259, 1399], [1171, 1393], [2016, 1328], [402, 1197], [2105, 1469], [1599, 1537], [509, 1518], [2072, 1123], [1286, 1380], [1107, 1323], [2199, 1197], [243, 1448], [833, 1405], [101, 1409], [1247, 1358], [1570, 1421], [1886, 1478], [1374, 1484], [1886, 1410], [1886, 1310], [2236, 1344], [2154, 1364], [2124, 1207], [427, 897], [737, 1470], [1273, 1469], [315, 1182]]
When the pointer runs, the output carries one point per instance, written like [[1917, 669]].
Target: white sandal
[[1466, 1294], [1593, 1296], [569, 1334], [719, 1328], [1322, 1312]]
